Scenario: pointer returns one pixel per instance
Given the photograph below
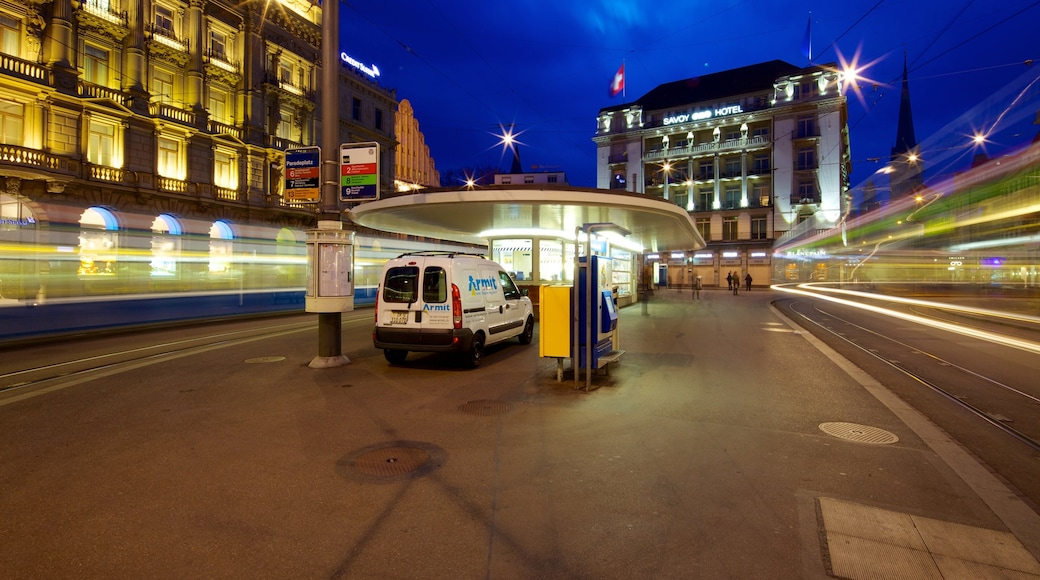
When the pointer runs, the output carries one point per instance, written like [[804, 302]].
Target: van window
[[400, 284], [434, 282], [508, 287]]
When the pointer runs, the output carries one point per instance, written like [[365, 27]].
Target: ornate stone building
[[163, 116], [751, 153], [415, 167]]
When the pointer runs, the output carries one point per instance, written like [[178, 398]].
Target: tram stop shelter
[[531, 230]]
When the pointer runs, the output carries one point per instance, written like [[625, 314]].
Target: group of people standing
[[733, 278]]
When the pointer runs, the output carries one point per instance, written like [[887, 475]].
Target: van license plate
[[399, 317]]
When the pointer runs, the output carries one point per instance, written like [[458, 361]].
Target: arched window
[[166, 246], [220, 247], [98, 242]]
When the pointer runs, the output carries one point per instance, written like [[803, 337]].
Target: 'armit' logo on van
[[436, 307], [482, 285]]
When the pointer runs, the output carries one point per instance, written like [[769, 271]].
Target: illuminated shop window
[[291, 253], [166, 246], [98, 243], [550, 260], [514, 256], [220, 248]]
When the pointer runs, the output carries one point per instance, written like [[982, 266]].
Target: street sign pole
[[330, 338]]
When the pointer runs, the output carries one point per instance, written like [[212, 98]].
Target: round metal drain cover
[[265, 359], [486, 408], [392, 461], [859, 433]]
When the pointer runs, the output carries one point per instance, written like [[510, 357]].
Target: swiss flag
[[618, 84]]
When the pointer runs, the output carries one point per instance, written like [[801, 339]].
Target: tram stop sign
[[303, 175], [359, 171]]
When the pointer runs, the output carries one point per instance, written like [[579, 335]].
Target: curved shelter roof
[[463, 215]]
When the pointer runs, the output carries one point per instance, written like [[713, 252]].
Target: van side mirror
[[523, 291]]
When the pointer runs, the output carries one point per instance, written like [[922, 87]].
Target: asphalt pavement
[[727, 443]]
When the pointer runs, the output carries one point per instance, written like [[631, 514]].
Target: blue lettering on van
[[482, 284], [436, 307]]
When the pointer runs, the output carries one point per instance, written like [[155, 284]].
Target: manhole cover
[[392, 461], [486, 408], [265, 359], [859, 433]]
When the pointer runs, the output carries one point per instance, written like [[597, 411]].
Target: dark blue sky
[[470, 67]]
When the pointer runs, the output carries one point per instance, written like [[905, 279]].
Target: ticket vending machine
[[597, 313]]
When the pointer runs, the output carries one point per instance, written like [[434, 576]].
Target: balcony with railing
[[806, 133], [23, 69], [24, 156], [172, 113], [172, 185], [707, 148], [94, 91], [218, 128], [167, 37], [221, 67], [618, 158], [98, 15], [226, 193], [103, 173]]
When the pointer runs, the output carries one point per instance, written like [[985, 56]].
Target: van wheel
[[476, 351], [528, 333], [395, 357]]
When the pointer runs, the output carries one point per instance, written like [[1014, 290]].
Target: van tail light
[[456, 306], [377, 308]]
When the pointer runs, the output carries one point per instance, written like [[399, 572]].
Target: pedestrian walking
[[747, 281], [729, 280], [736, 282], [697, 288]]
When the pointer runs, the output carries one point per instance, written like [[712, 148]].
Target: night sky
[[472, 67]]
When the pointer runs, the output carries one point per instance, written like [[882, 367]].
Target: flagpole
[[624, 85]]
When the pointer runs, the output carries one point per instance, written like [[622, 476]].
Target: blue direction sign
[[303, 175]]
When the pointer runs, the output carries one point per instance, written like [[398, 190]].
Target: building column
[[60, 49], [196, 47], [743, 179], [689, 184], [717, 202]]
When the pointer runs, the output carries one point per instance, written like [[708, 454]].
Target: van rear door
[[400, 292]]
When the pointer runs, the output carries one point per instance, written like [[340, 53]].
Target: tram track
[[1015, 406], [22, 383]]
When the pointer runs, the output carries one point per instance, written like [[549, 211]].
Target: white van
[[448, 302]]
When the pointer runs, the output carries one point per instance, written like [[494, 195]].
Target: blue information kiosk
[[597, 316]]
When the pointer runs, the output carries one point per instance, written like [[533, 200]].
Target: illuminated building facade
[[168, 118], [415, 167], [751, 153]]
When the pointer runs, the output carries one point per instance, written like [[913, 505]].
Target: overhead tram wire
[[978, 34], [411, 51]]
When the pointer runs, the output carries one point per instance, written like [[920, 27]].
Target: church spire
[[907, 168], [905, 139]]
